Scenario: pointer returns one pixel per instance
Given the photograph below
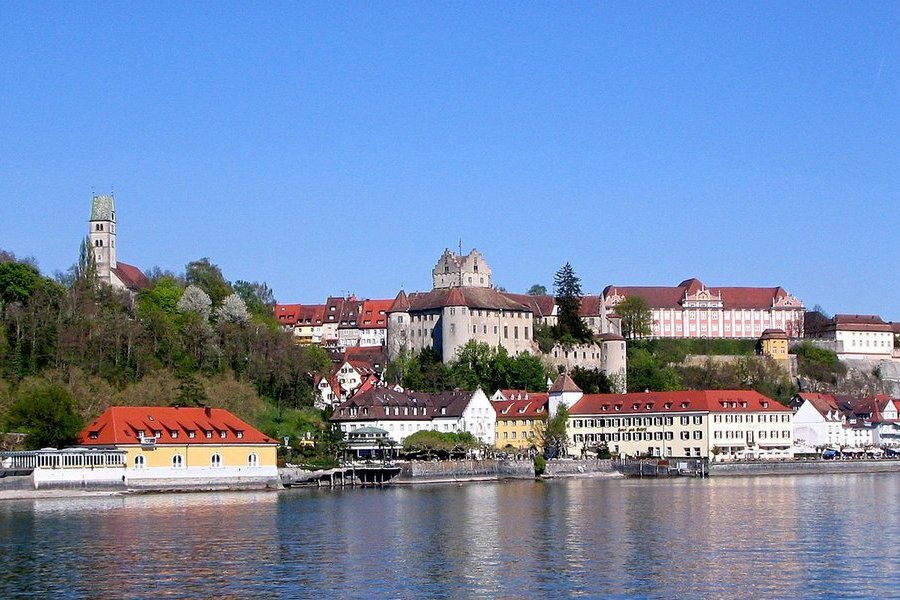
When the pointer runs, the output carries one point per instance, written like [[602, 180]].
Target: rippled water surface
[[781, 537]]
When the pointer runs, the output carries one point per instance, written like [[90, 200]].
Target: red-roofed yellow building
[[518, 412], [185, 448]]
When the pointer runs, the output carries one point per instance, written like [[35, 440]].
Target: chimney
[[207, 411]]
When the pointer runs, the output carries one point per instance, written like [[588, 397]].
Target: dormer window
[[240, 434], [223, 434], [192, 434], [635, 406], [173, 434], [209, 434], [93, 435]]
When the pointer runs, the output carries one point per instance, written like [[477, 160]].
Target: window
[[139, 461], [253, 460], [215, 461], [177, 461], [192, 434], [173, 434], [222, 434], [698, 435], [209, 434]]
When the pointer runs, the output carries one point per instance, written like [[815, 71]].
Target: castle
[[102, 236], [463, 306]]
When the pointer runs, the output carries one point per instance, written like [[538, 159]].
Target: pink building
[[692, 310]]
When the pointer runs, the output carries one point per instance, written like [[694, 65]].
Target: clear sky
[[337, 147]]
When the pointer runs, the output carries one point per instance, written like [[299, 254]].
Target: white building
[[404, 413], [845, 423], [858, 336]]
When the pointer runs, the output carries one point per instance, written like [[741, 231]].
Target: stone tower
[[456, 270], [102, 234]]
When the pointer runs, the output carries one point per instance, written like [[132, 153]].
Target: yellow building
[[517, 414], [185, 448], [774, 343]]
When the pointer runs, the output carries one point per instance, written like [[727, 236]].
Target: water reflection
[[814, 536]]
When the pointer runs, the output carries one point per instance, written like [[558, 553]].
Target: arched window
[[177, 461], [139, 461], [216, 461], [253, 460]]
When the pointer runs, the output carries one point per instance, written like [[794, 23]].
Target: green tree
[[258, 297], [645, 372], [637, 318], [552, 436], [17, 281], [570, 328], [47, 414], [537, 290], [591, 381], [208, 277], [190, 392], [430, 443], [86, 269]]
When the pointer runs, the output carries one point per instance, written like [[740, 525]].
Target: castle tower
[[456, 270], [102, 234]]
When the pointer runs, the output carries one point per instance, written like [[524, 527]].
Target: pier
[[351, 475]]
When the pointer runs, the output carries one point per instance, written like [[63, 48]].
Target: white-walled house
[[404, 413], [843, 422]]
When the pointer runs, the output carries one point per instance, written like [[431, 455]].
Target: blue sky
[[328, 148]]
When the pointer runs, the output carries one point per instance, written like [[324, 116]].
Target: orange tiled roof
[[122, 425]]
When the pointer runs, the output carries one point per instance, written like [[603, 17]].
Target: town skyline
[[741, 145]]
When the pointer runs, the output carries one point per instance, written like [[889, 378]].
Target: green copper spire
[[103, 208]]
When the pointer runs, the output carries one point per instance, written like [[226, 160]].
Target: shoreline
[[717, 470]]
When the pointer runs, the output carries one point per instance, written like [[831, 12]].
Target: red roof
[[535, 406], [564, 383], [311, 315], [287, 314], [731, 297], [132, 277], [122, 425], [859, 323], [373, 314], [687, 401]]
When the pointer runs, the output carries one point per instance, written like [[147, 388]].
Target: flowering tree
[[233, 310], [195, 300]]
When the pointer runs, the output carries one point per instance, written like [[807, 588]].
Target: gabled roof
[[121, 425], [373, 314], [721, 401], [130, 276], [564, 383]]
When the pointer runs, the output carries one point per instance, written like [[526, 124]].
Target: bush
[[540, 465]]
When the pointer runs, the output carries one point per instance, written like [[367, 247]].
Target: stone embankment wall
[[580, 468], [801, 467], [16, 480], [203, 484], [463, 470]]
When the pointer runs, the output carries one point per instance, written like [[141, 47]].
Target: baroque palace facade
[[693, 310]]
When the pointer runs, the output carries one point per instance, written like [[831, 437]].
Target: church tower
[[102, 234]]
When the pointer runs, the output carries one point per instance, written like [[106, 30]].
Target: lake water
[[827, 536]]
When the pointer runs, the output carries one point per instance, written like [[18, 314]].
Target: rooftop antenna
[[460, 246]]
